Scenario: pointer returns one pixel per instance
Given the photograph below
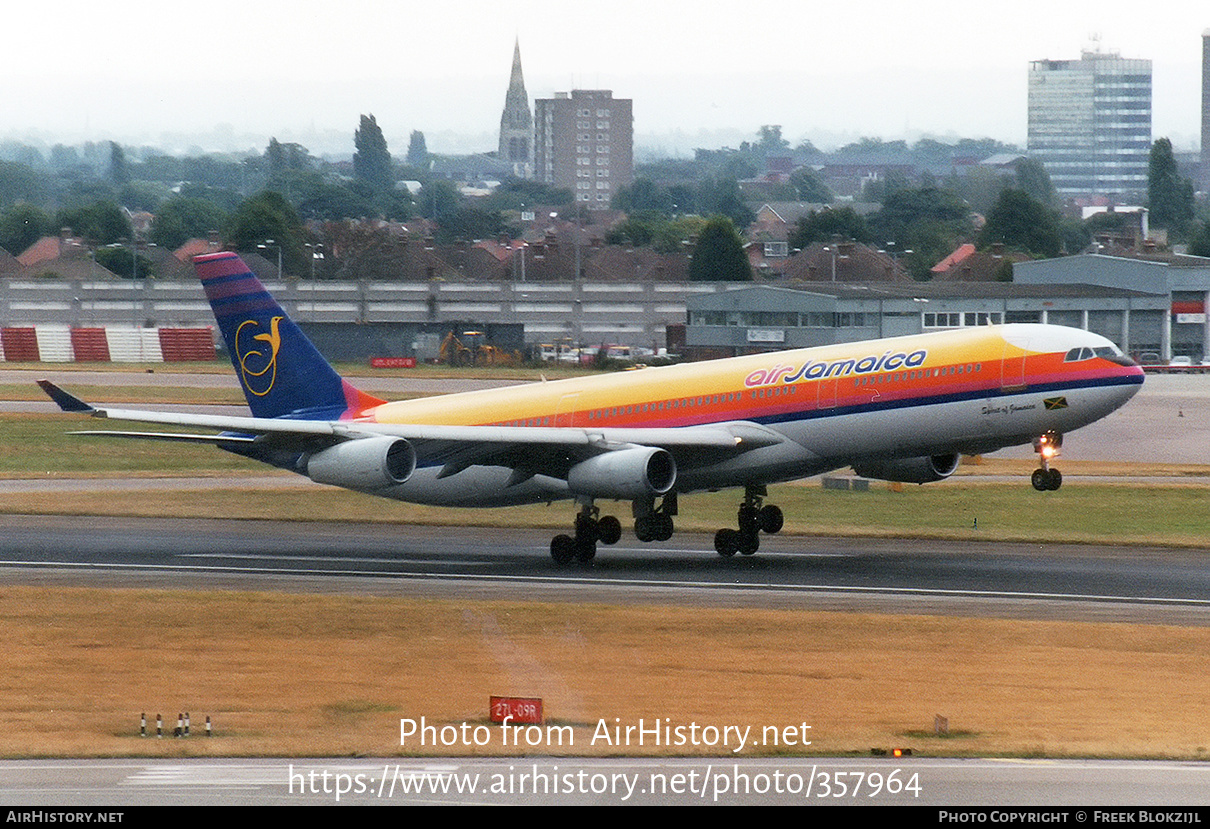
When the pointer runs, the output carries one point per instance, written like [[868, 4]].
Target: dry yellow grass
[[333, 675]]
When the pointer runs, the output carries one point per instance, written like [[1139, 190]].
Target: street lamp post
[[317, 252]]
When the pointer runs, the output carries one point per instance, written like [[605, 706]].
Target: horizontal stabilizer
[[67, 402]]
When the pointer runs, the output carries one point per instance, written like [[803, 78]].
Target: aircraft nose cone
[[1133, 375]]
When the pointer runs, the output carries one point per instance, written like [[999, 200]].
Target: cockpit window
[[1105, 352], [1077, 354]]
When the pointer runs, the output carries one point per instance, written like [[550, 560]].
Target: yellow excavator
[[471, 350]]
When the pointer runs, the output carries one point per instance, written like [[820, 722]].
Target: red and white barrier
[[51, 343]]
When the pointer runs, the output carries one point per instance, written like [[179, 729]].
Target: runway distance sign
[[521, 710], [392, 362]]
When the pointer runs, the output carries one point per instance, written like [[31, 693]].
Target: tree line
[[276, 193]]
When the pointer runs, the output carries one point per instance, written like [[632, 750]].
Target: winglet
[[66, 402]]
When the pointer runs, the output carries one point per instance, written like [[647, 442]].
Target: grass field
[[333, 675]]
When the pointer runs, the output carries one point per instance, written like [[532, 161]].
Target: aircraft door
[[565, 416], [827, 393], [1012, 367], [1012, 381]]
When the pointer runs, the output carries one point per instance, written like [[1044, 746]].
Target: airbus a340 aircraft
[[901, 409]]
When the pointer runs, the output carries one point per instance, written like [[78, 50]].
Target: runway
[[887, 575]]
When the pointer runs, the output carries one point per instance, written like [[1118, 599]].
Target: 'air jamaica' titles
[[889, 361]]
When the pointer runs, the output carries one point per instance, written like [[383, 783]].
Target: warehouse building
[[766, 318]]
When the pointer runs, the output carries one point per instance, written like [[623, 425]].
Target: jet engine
[[624, 474], [365, 463], [909, 470]]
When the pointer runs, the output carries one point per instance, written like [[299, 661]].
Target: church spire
[[517, 123]]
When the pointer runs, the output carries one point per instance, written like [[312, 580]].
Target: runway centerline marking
[[351, 560]]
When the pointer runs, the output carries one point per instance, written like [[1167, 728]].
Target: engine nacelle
[[909, 470], [624, 474], [364, 463]]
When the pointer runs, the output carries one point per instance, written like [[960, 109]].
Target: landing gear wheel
[[1046, 479], [587, 533], [749, 543], [609, 530], [749, 517], [644, 528], [752, 520], [726, 542], [770, 519], [653, 527], [563, 549], [585, 551], [663, 527]]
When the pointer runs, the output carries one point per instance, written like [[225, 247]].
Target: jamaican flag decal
[[1053, 403]]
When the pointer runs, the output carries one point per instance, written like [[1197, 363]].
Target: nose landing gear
[[1047, 447]]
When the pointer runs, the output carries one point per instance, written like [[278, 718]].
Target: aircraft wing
[[546, 450]]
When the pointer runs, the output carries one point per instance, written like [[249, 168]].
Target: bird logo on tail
[[258, 368]]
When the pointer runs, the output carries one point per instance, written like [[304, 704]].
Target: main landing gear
[[590, 529], [753, 519], [1047, 448], [651, 523], [654, 523]]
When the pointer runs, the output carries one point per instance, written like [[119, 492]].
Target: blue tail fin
[[282, 373]]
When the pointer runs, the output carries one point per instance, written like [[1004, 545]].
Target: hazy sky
[[706, 73]]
